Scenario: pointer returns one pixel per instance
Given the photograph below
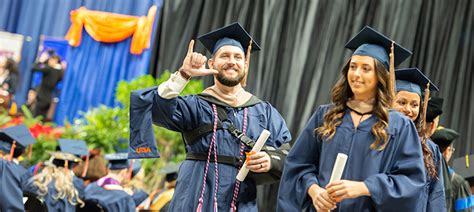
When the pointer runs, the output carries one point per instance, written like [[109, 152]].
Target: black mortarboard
[[435, 108], [117, 161], [75, 147], [62, 159], [170, 171], [233, 35], [20, 133], [464, 166], [443, 137], [412, 80], [369, 42]]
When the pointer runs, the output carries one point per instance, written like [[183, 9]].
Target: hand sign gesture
[[194, 63]]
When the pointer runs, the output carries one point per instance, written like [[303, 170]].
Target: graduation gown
[[463, 200], [11, 194], [54, 204], [189, 112], [434, 198], [112, 200], [394, 176]]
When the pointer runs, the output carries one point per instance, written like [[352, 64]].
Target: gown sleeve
[[301, 168], [402, 185]]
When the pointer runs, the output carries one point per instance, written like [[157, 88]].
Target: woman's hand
[[321, 199], [345, 189]]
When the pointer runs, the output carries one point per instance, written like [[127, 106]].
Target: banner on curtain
[[10, 45], [112, 27]]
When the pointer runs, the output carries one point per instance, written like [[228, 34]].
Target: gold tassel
[[130, 170], [247, 61], [12, 150], [391, 85], [423, 111], [467, 161]]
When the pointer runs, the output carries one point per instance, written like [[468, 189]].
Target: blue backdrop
[[93, 68]]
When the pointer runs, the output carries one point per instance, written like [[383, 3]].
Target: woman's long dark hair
[[341, 93]]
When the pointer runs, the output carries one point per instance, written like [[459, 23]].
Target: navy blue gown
[[54, 204], [434, 198], [394, 176], [189, 112], [11, 185], [112, 200]]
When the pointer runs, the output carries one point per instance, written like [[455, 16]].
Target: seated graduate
[[384, 169], [412, 100], [160, 199], [96, 167], [134, 185], [108, 190], [55, 183], [13, 177]]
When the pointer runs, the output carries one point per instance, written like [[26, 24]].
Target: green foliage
[[103, 126]]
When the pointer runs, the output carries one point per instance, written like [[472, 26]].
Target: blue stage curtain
[[106, 62], [93, 72]]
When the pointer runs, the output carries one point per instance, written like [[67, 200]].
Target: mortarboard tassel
[[423, 112], [37, 166], [467, 161], [66, 166], [12, 150], [391, 83], [86, 167], [130, 170], [247, 61], [30, 150]]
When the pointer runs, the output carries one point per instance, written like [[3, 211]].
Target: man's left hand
[[259, 162]]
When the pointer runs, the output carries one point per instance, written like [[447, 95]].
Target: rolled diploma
[[256, 148], [338, 167]]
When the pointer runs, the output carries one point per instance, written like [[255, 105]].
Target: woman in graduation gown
[[384, 169], [56, 185], [408, 101]]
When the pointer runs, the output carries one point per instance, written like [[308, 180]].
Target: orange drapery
[[112, 27]]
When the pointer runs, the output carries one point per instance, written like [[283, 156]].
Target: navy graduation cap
[[18, 137], [117, 161], [170, 171], [63, 156], [369, 42], [412, 80], [233, 35], [435, 108], [75, 147], [444, 137]]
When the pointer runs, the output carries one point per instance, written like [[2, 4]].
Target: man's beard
[[230, 82]]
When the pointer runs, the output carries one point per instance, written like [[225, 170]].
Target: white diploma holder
[[258, 146]]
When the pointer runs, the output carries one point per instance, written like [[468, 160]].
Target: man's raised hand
[[194, 63]]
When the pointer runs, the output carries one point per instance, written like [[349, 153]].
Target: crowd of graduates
[[75, 178], [384, 120]]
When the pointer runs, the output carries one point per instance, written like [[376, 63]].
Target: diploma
[[338, 167], [256, 148]]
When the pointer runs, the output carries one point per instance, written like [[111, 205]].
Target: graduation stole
[[213, 148], [109, 183]]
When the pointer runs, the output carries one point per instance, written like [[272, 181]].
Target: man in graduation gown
[[13, 177], [207, 178], [108, 191], [461, 194]]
